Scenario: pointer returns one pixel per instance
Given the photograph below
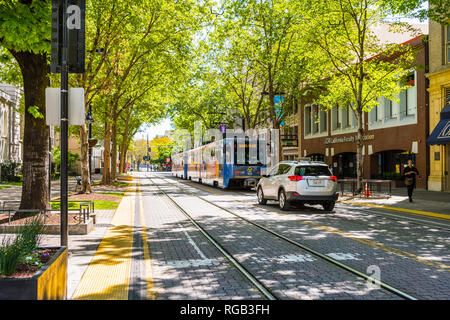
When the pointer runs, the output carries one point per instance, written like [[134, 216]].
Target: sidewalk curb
[[419, 212]]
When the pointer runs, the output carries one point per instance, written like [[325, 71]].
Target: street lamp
[[92, 142]]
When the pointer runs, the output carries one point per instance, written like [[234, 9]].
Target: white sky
[[152, 131]]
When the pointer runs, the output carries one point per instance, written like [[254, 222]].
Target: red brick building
[[394, 132]]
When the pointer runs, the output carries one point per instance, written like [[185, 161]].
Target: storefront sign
[[348, 139]]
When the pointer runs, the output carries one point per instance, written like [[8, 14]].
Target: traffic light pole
[[64, 127], [148, 155]]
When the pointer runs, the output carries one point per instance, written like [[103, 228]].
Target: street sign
[[149, 149], [223, 128], [75, 23], [53, 106]]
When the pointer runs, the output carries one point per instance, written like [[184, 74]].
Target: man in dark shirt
[[410, 172]]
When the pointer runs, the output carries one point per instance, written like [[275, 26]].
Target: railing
[[85, 210], [372, 184]]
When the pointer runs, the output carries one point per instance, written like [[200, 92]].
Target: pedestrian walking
[[410, 173]]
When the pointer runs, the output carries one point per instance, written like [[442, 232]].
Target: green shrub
[[23, 248], [10, 257], [30, 234], [10, 172]]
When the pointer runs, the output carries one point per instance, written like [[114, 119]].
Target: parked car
[[304, 182]]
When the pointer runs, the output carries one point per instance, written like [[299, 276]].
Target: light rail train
[[226, 163]]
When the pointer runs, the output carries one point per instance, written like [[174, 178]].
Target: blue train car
[[231, 162]]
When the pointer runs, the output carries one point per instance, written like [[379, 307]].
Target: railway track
[[427, 222], [263, 289]]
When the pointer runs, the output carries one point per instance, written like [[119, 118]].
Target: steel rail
[[261, 287], [415, 219], [314, 252]]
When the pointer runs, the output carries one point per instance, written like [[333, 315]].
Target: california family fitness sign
[[348, 139]]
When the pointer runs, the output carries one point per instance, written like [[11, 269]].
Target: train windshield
[[249, 151]]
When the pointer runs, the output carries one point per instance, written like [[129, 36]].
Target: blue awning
[[441, 133]]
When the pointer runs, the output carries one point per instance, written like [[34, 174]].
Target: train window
[[248, 150]]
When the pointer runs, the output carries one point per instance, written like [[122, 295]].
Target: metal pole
[[64, 127], [90, 149]]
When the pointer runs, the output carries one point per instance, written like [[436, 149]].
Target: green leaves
[[26, 27], [34, 111]]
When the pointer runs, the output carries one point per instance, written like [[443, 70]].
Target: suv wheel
[[284, 203], [328, 206], [261, 199]]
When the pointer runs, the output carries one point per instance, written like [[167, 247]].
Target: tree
[[262, 56], [29, 44], [161, 150], [437, 10], [354, 78]]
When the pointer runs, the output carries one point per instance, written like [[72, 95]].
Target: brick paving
[[185, 265], [412, 257], [287, 270]]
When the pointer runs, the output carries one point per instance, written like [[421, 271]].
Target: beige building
[[10, 125], [439, 95]]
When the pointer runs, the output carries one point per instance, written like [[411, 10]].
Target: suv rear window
[[312, 171]]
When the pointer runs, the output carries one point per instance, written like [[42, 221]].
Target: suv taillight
[[333, 178], [295, 178]]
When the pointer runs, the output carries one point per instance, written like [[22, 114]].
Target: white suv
[[306, 181]]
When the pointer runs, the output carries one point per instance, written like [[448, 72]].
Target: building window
[[315, 119], [4, 121], [408, 98], [447, 96], [447, 44], [323, 120], [336, 121], [307, 120]]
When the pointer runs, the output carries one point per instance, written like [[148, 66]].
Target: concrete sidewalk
[[424, 202], [82, 248]]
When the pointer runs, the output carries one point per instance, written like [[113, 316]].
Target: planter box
[[49, 283], [73, 229]]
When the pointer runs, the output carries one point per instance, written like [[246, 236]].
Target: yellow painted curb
[[108, 275], [151, 292], [378, 206]]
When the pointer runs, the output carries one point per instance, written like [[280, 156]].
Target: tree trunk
[[359, 147], [122, 156], [114, 150], [36, 134], [107, 156], [124, 147], [125, 151], [84, 159]]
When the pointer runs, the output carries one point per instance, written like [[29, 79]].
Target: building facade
[[10, 125], [439, 93], [393, 131]]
